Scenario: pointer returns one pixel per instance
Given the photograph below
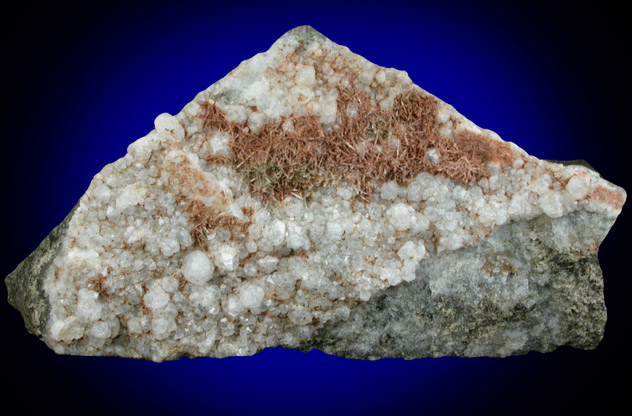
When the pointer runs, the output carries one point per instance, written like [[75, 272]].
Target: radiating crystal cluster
[[303, 184]]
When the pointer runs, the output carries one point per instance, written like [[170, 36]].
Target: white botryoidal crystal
[[401, 216], [197, 267], [578, 186], [156, 298], [412, 251], [251, 295], [312, 199]]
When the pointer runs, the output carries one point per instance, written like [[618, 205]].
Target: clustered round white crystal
[[131, 281], [283, 81]]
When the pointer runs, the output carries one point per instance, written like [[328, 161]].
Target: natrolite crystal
[[312, 199]]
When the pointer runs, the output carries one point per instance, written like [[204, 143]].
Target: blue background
[[83, 82]]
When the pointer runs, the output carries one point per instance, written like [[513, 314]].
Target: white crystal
[[169, 247], [156, 298], [433, 155], [233, 305], [197, 267], [67, 330], [268, 264], [168, 123], [251, 295], [129, 196], [219, 144], [551, 204], [401, 216], [275, 232], [161, 326], [389, 191], [87, 306], [412, 251], [305, 75], [207, 297], [100, 330], [226, 257], [579, 186], [391, 274], [170, 243], [300, 316]]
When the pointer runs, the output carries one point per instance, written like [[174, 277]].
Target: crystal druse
[[312, 199]]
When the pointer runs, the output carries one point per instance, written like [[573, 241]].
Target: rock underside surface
[[312, 199]]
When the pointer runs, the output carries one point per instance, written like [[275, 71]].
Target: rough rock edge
[[26, 294], [395, 325], [25, 283], [307, 33]]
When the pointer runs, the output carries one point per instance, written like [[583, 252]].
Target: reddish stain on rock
[[365, 150]]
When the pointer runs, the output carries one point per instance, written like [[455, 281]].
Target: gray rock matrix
[[199, 243], [518, 291], [559, 293], [25, 284]]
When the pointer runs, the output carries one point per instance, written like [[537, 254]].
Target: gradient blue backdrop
[[84, 82]]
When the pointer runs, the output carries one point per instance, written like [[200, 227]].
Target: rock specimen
[[312, 199]]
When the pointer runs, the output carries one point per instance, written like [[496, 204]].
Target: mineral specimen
[[312, 199]]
